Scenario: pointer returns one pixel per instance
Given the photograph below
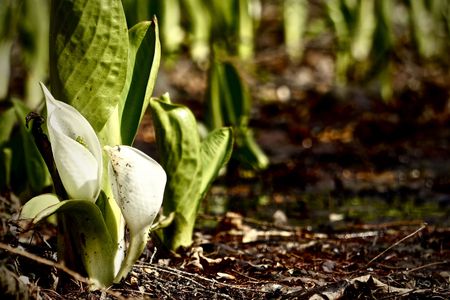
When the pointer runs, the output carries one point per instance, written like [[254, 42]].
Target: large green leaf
[[145, 54], [179, 147], [89, 234], [89, 55]]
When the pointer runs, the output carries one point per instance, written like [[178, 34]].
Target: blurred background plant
[[24, 27], [365, 40]]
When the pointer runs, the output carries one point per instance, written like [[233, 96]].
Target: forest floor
[[354, 205]]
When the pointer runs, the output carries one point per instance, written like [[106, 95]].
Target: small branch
[[190, 277], [397, 243], [57, 265], [427, 266]]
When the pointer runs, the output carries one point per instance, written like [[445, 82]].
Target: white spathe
[[76, 149], [137, 183]]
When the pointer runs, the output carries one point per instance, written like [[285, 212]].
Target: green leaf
[[200, 29], [248, 151], [295, 17], [179, 148], [228, 98], [89, 56], [37, 204], [9, 119], [5, 168], [237, 103], [362, 40], [33, 32], [216, 150], [171, 30], [191, 165], [90, 235], [214, 116], [228, 104], [246, 30], [145, 54], [36, 170], [5, 66]]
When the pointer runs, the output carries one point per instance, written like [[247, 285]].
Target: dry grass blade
[[397, 243]]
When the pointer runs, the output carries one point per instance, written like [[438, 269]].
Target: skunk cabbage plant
[[191, 165], [137, 182], [228, 103], [102, 74]]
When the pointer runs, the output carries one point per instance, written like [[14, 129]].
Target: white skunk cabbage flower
[[76, 149], [137, 183]]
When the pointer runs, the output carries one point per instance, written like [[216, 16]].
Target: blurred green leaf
[[172, 33], [246, 29], [200, 29], [426, 27], [364, 29], [228, 104], [295, 15], [5, 168], [9, 119], [34, 39], [5, 68], [248, 151]]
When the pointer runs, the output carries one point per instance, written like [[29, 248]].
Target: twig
[[187, 276], [427, 266], [397, 243], [57, 265]]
